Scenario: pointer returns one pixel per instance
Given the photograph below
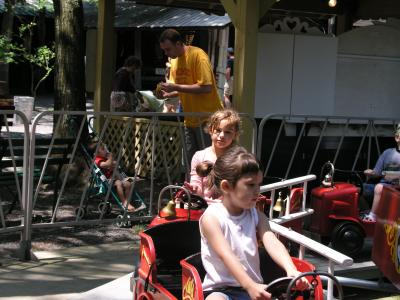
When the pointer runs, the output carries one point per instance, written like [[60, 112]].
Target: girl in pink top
[[224, 128]]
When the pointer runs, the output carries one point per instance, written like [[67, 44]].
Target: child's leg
[[136, 203], [127, 188], [121, 194], [377, 197], [120, 190]]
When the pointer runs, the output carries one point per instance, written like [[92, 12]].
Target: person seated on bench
[[230, 231], [389, 160], [224, 128], [104, 160]]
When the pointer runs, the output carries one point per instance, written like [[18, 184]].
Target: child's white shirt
[[241, 234]]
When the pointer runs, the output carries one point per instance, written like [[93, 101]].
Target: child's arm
[[277, 250], [196, 182], [211, 230], [109, 163]]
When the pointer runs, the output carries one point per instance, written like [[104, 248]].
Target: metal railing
[[309, 141], [33, 179], [22, 189], [333, 257]]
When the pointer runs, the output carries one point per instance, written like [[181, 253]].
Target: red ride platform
[[386, 243]]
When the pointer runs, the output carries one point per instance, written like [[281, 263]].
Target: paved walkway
[[80, 273]]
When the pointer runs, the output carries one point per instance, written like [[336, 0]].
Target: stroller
[[99, 187]]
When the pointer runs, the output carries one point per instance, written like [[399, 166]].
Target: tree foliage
[[17, 49]]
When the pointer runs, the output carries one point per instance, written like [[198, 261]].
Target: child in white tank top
[[229, 232]]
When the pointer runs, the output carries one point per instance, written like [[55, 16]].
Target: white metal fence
[[44, 172]]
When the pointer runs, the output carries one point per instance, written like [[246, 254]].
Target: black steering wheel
[[356, 179], [184, 195], [283, 288], [279, 290], [196, 202]]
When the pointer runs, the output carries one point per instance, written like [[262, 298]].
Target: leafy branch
[[16, 52]]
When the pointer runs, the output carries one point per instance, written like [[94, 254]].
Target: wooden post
[[245, 16], [105, 60]]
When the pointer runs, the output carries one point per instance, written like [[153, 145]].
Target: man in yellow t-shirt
[[192, 79]]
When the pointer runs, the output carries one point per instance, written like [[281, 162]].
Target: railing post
[[27, 183], [331, 268]]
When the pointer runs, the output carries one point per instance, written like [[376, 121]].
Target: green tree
[[16, 48]]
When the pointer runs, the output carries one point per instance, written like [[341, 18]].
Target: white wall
[[295, 74], [368, 72]]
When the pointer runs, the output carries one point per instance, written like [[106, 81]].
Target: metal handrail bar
[[295, 148], [21, 191], [283, 184], [273, 147], [13, 162], [317, 147], [333, 256], [53, 218], [341, 141], [25, 244], [299, 119], [287, 182], [361, 145], [58, 124], [293, 216]]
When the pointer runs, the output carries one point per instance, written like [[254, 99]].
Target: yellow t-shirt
[[194, 67]]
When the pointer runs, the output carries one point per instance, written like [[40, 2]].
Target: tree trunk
[[69, 81]]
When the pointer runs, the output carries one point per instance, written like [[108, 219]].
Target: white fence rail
[[334, 257]]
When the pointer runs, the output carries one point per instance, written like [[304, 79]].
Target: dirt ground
[[64, 237]]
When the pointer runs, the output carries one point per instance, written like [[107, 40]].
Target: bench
[[10, 155]]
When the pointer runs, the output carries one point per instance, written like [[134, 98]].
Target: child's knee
[[118, 183], [378, 189]]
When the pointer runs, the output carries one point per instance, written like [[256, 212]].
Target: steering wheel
[[355, 179], [283, 288], [194, 201], [279, 290], [200, 202]]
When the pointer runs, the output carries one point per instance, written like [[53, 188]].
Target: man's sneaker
[[141, 207], [369, 218]]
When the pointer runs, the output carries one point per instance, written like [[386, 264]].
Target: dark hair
[[235, 163], [204, 168], [170, 35], [132, 61]]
